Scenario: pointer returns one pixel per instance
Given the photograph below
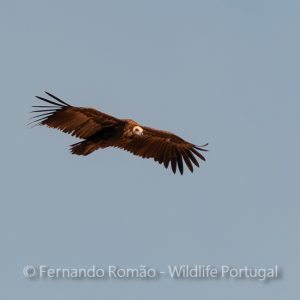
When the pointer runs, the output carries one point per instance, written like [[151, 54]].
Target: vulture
[[99, 130]]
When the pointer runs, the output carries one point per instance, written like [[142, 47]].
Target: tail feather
[[84, 148]]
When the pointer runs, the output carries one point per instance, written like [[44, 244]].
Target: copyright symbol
[[29, 271]]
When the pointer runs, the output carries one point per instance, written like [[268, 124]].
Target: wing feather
[[77, 121], [179, 161], [192, 158], [187, 160], [164, 147], [166, 157], [173, 160], [198, 154]]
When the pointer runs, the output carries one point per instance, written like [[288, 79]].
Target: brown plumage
[[99, 130]]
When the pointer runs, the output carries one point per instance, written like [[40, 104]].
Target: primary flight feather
[[99, 130]]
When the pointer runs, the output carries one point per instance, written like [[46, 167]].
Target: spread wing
[[77, 121], [164, 147]]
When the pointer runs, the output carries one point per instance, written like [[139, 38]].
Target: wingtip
[[57, 99], [201, 148]]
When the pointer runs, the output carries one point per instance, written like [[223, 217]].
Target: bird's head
[[137, 130]]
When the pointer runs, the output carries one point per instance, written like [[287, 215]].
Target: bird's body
[[99, 130]]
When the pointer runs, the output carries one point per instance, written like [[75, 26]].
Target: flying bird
[[100, 130]]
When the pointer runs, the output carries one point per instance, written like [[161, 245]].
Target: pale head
[[137, 130]]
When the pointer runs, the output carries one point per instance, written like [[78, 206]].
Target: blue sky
[[223, 72]]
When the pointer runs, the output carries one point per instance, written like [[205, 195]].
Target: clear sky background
[[223, 72]]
